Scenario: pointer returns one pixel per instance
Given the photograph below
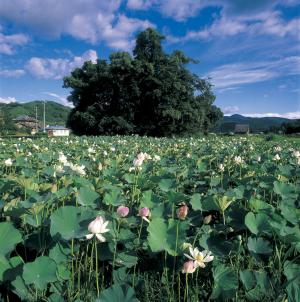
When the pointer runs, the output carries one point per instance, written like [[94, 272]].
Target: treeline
[[147, 93], [286, 128]]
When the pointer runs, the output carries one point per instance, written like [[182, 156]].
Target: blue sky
[[249, 48]]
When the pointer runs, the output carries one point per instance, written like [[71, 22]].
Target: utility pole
[[44, 116], [36, 120]]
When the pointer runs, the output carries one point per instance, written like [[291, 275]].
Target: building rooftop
[[25, 118], [56, 128]]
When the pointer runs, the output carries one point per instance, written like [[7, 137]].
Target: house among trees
[[25, 121], [57, 131], [242, 129]]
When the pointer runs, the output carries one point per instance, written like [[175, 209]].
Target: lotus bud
[[122, 211], [188, 267], [186, 245], [144, 213], [182, 212], [207, 219]]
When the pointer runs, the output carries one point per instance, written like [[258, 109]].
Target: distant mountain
[[257, 124], [56, 114]]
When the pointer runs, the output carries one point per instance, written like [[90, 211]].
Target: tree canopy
[[147, 93]]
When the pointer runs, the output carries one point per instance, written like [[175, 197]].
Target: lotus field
[[145, 219]]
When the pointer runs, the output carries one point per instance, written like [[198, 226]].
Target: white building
[[58, 131]]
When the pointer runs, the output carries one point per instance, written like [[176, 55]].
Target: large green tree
[[149, 93]]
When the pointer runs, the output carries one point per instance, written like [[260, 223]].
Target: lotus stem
[[96, 264]]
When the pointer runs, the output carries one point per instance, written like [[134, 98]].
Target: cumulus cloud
[[7, 100], [62, 99], [11, 73], [266, 23], [232, 75], [289, 115], [9, 43], [229, 110], [48, 68], [97, 21], [179, 10], [140, 4]]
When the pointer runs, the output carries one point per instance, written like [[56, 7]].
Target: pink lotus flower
[[122, 211], [144, 213], [182, 212], [188, 267]]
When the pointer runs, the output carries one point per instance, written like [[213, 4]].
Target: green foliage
[[151, 93], [56, 113], [40, 272], [246, 215], [9, 237]]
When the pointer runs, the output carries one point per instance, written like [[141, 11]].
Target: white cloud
[[120, 35], [139, 4], [232, 75], [9, 43], [94, 22], [11, 73], [265, 23], [7, 100], [48, 68], [230, 110], [62, 99], [289, 115], [179, 10]]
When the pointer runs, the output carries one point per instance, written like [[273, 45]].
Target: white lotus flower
[[156, 158], [276, 157], [238, 160], [138, 162], [62, 158], [79, 169], [96, 228], [8, 162], [199, 258], [296, 153]]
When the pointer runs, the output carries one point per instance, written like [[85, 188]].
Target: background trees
[[149, 93]]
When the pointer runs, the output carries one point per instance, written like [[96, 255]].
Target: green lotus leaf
[[20, 289], [259, 246], [225, 283], [40, 272], [70, 222], [196, 202], [59, 253], [149, 199], [166, 184], [167, 236], [125, 259], [257, 223], [9, 237], [157, 238], [55, 298], [248, 279], [114, 197], [4, 266], [118, 293], [87, 197], [283, 189]]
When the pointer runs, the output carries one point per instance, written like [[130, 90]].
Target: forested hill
[[256, 124], [56, 114]]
